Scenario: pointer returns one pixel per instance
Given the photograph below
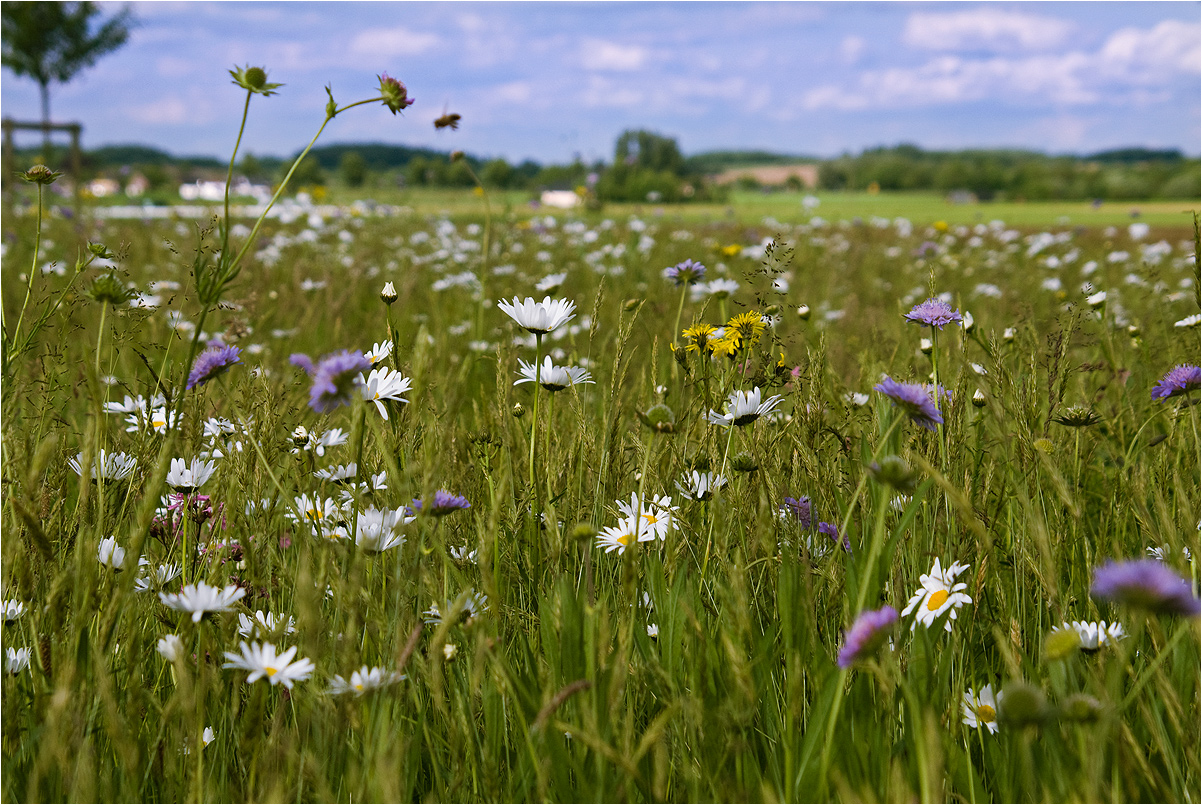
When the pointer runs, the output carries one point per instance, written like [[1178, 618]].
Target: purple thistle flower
[[1147, 584], [914, 399], [685, 273], [801, 509], [444, 503], [933, 313], [1179, 380], [336, 378], [832, 531], [866, 635], [210, 363]]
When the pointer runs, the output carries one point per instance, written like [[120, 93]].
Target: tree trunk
[[45, 90]]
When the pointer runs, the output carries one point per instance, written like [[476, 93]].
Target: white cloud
[[984, 27], [167, 111], [851, 48], [1143, 55], [391, 42], [598, 54], [1134, 66]]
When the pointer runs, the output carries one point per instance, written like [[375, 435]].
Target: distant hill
[[377, 156], [1132, 155], [709, 162]]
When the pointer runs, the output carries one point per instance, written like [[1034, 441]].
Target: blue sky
[[548, 80]]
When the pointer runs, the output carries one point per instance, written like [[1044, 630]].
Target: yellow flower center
[[936, 600], [158, 423], [358, 686], [986, 714], [651, 519], [271, 671], [625, 540], [314, 514]]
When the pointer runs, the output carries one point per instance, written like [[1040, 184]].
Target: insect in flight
[[447, 120]]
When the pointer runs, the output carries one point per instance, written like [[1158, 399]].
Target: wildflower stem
[[538, 349], [684, 290], [229, 178], [37, 245], [851, 507], [709, 540]]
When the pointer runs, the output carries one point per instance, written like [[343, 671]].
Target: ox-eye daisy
[[939, 594], [263, 662]]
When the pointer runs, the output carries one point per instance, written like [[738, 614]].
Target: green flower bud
[[803, 312], [100, 250], [744, 463], [893, 471], [518, 411], [1022, 704], [660, 418], [1061, 643], [111, 290], [1081, 707], [583, 531], [254, 79], [40, 174], [1077, 416], [396, 97]]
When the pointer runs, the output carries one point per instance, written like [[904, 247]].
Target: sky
[[550, 81]]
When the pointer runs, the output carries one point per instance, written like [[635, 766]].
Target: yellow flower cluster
[[742, 331]]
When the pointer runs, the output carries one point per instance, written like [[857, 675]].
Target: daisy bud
[[456, 156], [449, 650], [1096, 300], [1061, 643], [968, 323], [1133, 330], [744, 463], [1022, 704], [978, 399], [803, 312], [518, 411], [893, 471], [583, 532], [926, 346], [300, 436], [772, 310], [1008, 334], [388, 295], [1081, 707]]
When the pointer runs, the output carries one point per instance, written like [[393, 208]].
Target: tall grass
[[556, 690]]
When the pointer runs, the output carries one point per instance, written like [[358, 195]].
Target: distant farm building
[[772, 175]]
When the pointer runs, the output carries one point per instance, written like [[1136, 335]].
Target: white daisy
[[550, 376], [701, 485], [172, 648], [110, 554], [539, 317], [378, 530], [109, 466], [743, 408], [263, 624], [188, 477], [385, 385], [321, 514], [939, 594], [13, 609], [202, 598], [378, 353], [473, 606], [618, 538], [152, 580], [342, 473], [16, 660], [654, 517], [1094, 635], [317, 443], [157, 421], [980, 707], [365, 680], [263, 662]]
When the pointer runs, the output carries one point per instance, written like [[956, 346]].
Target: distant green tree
[[353, 168], [308, 173], [51, 42], [498, 173], [251, 167], [646, 149]]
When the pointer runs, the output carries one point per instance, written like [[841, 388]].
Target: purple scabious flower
[[210, 363], [933, 313], [801, 509], [336, 378], [443, 504], [832, 531], [685, 273], [866, 635], [1179, 380], [1147, 584], [914, 399]]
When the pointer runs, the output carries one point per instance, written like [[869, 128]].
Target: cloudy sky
[[548, 80]]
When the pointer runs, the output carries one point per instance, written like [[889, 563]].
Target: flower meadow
[[368, 505]]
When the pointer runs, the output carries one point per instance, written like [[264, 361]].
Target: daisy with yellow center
[[263, 662], [939, 594], [979, 708], [618, 538]]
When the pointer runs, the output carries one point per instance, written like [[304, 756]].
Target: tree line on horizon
[[649, 166]]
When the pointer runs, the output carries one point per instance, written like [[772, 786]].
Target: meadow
[[320, 507]]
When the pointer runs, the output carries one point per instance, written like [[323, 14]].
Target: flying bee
[[448, 120]]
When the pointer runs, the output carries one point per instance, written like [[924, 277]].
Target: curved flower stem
[[709, 540], [874, 551], [684, 290], [37, 246], [229, 177]]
